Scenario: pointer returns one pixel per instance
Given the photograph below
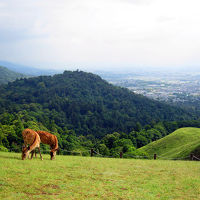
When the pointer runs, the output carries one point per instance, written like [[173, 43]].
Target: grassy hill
[[7, 75], [179, 144], [69, 177]]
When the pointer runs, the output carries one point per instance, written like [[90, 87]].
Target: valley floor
[[70, 177]]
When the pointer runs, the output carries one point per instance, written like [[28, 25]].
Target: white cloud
[[100, 32]]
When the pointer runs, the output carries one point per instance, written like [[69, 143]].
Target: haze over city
[[101, 34]]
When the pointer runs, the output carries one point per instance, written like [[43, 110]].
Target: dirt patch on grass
[[51, 186]]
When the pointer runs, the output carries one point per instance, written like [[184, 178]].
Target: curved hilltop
[[179, 144]]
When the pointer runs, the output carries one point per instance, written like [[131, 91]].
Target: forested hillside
[[85, 112], [85, 103], [7, 75]]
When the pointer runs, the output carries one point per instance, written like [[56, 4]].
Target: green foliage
[[2, 148], [110, 139], [141, 140], [103, 150]]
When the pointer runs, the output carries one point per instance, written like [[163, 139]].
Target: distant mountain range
[[7, 75], [27, 70]]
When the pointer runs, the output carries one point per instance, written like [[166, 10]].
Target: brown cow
[[51, 140], [30, 138]]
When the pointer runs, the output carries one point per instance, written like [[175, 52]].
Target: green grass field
[[71, 177], [179, 144]]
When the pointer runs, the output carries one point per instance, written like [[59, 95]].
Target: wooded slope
[[85, 103]]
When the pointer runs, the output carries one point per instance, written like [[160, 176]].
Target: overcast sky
[[100, 34]]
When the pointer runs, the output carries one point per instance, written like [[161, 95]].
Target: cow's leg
[[35, 154], [40, 153], [32, 152]]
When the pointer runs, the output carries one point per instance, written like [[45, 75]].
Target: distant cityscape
[[167, 87]]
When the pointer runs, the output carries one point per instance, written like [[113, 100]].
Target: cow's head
[[25, 152], [53, 153]]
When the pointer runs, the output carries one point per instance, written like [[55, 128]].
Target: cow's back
[[45, 137], [28, 136]]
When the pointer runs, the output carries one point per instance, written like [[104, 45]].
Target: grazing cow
[[51, 140], [32, 139]]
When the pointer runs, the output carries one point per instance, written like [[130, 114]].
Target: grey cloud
[[99, 31]]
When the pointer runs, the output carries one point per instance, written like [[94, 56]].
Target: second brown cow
[[51, 140]]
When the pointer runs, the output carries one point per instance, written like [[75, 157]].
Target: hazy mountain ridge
[[7, 75], [27, 70]]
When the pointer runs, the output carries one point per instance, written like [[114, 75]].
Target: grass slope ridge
[[7, 75], [179, 144]]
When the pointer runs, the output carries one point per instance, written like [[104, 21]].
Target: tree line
[[111, 144]]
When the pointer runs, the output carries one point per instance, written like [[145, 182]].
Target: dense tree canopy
[[85, 103]]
